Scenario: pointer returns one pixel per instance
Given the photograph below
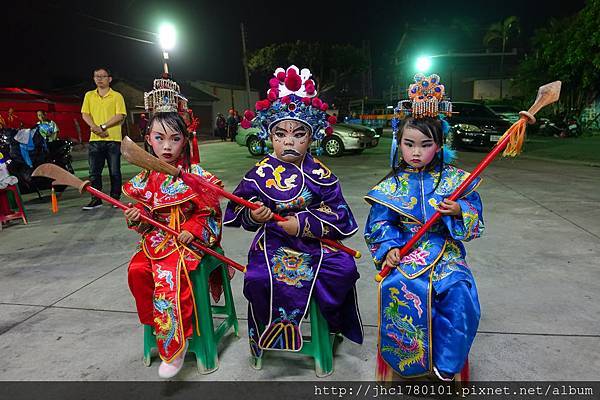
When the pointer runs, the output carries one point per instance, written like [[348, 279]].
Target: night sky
[[52, 44]]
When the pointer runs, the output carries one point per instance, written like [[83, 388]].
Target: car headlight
[[356, 134], [468, 128]]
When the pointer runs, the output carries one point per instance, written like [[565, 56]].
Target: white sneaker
[[169, 370]]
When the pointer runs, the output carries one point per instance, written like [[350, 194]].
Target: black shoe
[[94, 203]]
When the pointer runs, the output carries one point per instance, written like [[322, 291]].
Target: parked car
[[475, 125], [509, 113], [345, 137]]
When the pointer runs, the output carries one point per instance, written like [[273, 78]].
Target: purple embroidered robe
[[284, 272]]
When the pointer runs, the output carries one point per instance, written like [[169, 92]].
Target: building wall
[[489, 89], [229, 97]]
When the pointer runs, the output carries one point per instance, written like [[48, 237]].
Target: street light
[[423, 63], [166, 38]]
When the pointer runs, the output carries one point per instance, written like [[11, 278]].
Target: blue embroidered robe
[[428, 305], [284, 271]]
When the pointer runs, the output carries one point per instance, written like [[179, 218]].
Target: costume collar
[[411, 194], [283, 181]]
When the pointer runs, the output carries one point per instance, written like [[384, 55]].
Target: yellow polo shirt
[[102, 109]]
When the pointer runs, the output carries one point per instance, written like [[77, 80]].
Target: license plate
[[494, 138]]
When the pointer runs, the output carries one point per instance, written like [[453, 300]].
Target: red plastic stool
[[7, 213]]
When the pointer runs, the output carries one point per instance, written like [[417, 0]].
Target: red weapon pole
[[63, 177], [135, 155], [514, 136], [165, 228], [193, 180]]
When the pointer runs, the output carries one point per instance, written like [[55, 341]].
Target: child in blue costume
[[428, 304]]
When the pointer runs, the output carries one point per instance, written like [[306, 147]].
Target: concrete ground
[[66, 312]]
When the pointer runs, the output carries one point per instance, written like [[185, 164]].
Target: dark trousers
[[98, 153]]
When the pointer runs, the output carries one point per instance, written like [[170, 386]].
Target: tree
[[502, 32], [567, 50], [332, 65]]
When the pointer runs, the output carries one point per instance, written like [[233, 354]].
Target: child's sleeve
[[237, 215], [469, 225], [205, 223], [331, 218], [140, 226], [382, 232]]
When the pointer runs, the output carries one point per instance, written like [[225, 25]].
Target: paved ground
[[66, 312]]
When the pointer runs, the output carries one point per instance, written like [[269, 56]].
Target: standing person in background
[[47, 128], [13, 120], [221, 126], [231, 125], [238, 119], [103, 110], [143, 124]]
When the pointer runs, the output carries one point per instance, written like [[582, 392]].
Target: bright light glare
[[166, 36], [423, 63]]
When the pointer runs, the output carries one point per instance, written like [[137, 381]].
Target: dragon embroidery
[[167, 323], [408, 338]]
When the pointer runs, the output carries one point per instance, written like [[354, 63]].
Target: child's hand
[[262, 214], [185, 237], [449, 207], [393, 257], [132, 214], [290, 225]]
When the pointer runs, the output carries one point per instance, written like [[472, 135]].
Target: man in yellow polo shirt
[[103, 110]]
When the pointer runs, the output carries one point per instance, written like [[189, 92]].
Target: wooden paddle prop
[[512, 140], [63, 177], [136, 155]]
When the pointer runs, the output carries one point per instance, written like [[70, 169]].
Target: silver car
[[349, 137], [345, 137]]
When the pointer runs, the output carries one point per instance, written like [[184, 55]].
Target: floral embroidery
[[174, 188], [418, 256], [138, 181], [394, 188]]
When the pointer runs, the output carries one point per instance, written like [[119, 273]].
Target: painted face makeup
[[417, 149], [167, 143], [291, 140]]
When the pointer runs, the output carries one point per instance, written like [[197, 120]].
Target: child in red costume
[[159, 271]]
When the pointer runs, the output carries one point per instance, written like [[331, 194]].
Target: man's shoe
[[169, 370], [94, 203]]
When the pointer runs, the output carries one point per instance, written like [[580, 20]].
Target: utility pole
[[367, 76], [245, 60]]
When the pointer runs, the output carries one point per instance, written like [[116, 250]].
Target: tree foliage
[[502, 32], [567, 50], [330, 64]]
